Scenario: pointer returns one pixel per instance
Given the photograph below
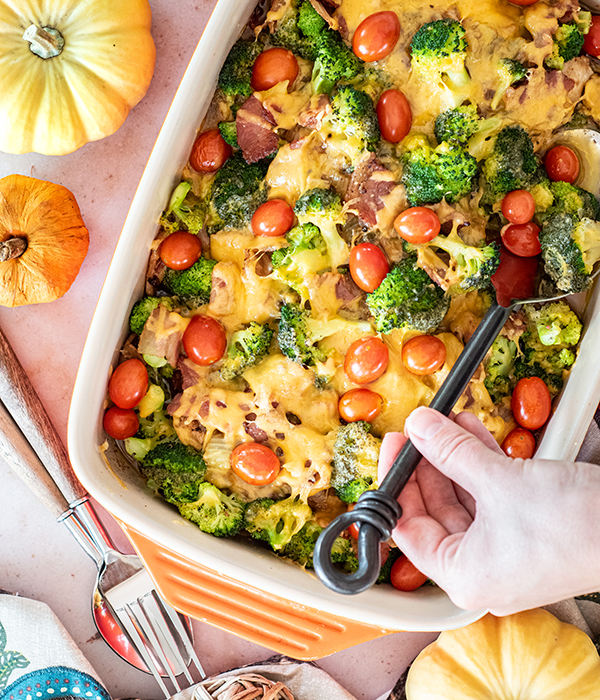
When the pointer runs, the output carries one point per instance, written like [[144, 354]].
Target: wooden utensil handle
[[24, 461], [24, 405]]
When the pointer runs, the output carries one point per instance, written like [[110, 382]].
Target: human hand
[[494, 532]]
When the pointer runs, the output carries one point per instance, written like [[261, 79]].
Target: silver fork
[[157, 631]]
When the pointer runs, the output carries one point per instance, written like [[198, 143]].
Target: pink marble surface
[[38, 557]]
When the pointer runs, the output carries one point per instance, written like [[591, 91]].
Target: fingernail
[[424, 424]]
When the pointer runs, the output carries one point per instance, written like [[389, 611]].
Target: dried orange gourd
[[43, 240], [70, 71]]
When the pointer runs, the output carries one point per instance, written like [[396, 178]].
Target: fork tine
[[128, 621], [173, 616], [153, 630]]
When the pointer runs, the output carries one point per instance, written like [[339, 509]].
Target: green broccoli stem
[[457, 80]]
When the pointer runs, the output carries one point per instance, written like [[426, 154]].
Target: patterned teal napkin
[[38, 658]]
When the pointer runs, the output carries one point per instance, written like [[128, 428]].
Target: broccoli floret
[[354, 115], [215, 512], [570, 248], [551, 376], [323, 208], [310, 22], [235, 75], [472, 267], [142, 310], [185, 211], [386, 567], [174, 470], [570, 199], [354, 465], [543, 197], [431, 175], [499, 368], [301, 546], [438, 52], [568, 42], [238, 189], [306, 255], [343, 555], [247, 348], [457, 125], [297, 29], [512, 164], [193, 284], [509, 72], [298, 334], [548, 344], [461, 126], [276, 522], [407, 298], [334, 61], [556, 323], [229, 133]]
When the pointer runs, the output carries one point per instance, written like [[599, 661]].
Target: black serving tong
[[378, 511]]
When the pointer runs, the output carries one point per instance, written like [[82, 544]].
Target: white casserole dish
[[115, 484]]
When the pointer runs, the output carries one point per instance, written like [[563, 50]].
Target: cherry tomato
[[515, 277], [423, 354], [522, 239], [405, 576], [121, 423], [519, 444], [204, 340], [376, 36], [354, 527], [128, 383], [531, 403], [394, 115], [273, 66], [360, 404], [591, 43], [209, 152], [255, 463], [562, 164], [273, 218], [180, 250], [518, 206], [366, 360], [368, 266], [417, 225], [112, 633]]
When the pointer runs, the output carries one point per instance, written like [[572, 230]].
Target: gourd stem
[[12, 248], [45, 42]]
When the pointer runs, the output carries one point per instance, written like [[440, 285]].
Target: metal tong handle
[[378, 511]]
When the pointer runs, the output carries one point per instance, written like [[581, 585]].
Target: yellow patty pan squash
[[70, 70], [43, 240], [527, 656]]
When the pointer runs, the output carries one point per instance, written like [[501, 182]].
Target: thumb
[[454, 451]]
